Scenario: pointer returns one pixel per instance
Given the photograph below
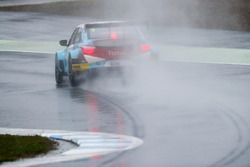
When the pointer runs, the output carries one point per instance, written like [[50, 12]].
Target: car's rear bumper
[[81, 67], [78, 67]]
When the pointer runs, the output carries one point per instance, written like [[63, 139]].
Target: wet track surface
[[200, 119], [188, 115]]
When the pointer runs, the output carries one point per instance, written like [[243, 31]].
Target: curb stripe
[[89, 144]]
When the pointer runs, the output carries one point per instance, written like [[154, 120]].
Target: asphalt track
[[187, 114], [200, 117]]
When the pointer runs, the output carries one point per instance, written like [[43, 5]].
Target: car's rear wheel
[[58, 73], [72, 75], [58, 76]]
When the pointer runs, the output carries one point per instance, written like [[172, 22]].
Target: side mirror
[[63, 42]]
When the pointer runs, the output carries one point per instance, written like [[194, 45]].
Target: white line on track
[[30, 2], [27, 51], [90, 144]]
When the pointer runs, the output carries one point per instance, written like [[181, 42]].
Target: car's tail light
[[145, 48], [88, 50]]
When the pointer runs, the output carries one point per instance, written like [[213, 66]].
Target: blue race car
[[96, 45]]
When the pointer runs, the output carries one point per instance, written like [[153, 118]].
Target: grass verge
[[167, 52], [17, 147]]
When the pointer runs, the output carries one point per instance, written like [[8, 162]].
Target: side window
[[72, 38], [78, 36], [84, 35]]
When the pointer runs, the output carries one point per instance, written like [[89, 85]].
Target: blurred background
[[215, 14]]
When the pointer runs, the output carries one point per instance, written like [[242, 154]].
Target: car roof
[[103, 23]]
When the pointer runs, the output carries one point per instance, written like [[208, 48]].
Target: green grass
[[205, 55], [17, 147], [30, 46], [167, 52]]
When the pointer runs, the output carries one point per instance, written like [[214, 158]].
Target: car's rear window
[[115, 32]]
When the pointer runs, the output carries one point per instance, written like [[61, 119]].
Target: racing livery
[[96, 45]]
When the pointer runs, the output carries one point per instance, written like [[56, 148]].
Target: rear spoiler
[[107, 24]]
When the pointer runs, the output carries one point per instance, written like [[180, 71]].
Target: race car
[[97, 45]]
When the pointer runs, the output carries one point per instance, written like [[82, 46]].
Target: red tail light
[[145, 48], [88, 50]]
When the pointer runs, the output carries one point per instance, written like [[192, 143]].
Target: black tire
[[72, 75], [58, 73], [72, 80]]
